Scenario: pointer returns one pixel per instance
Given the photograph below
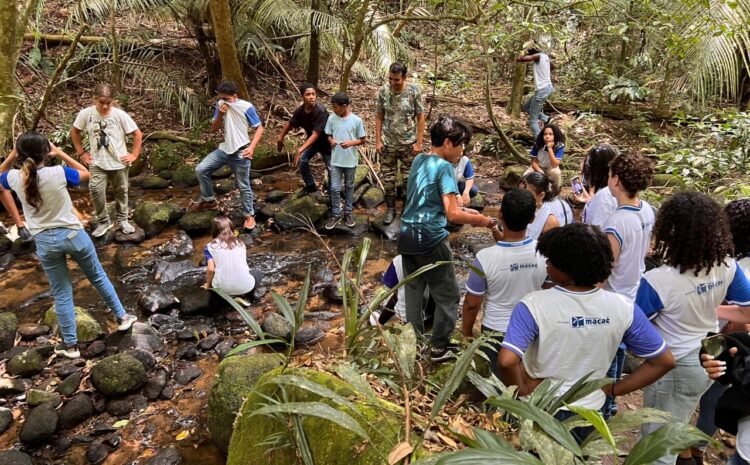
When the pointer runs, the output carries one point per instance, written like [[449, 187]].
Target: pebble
[[32, 330], [96, 453], [187, 374]]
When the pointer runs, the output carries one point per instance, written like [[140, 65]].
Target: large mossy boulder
[[235, 381], [294, 211], [511, 176], [8, 327], [137, 167], [26, 364], [118, 374], [167, 156], [266, 156], [372, 197], [87, 328], [360, 175], [329, 442], [153, 217], [197, 223], [184, 176], [154, 182]]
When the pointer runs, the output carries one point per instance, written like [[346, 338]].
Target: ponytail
[[32, 147], [541, 185]]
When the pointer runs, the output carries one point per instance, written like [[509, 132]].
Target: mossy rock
[[360, 175], [5, 243], [266, 156], [197, 223], [235, 381], [154, 182], [118, 374], [511, 176], [137, 167], [372, 197], [153, 217], [87, 328], [668, 180], [167, 156], [477, 202], [305, 207], [26, 364], [359, 191], [8, 328], [329, 443]]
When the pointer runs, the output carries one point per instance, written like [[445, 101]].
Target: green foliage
[[624, 90], [316, 409]]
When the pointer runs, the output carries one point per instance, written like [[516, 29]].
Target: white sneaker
[[374, 317], [126, 322], [102, 228], [68, 351], [126, 227]]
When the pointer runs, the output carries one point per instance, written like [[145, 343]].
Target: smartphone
[[577, 186]]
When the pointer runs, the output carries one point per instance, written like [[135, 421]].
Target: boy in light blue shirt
[[345, 132]]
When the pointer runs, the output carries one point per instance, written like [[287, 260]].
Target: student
[[534, 106], [511, 269], [345, 131], [681, 297], [399, 130], [573, 329], [226, 257], [396, 305], [6, 198], [464, 171], [543, 191], [738, 212], [57, 231], [312, 117], [600, 203], [236, 117], [108, 159], [547, 153], [430, 204]]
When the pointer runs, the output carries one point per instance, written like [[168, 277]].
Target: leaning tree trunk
[[516, 94], [221, 17], [313, 62], [13, 17]]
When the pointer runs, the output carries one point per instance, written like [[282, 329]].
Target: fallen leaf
[[401, 451], [120, 424], [447, 440], [183, 435]]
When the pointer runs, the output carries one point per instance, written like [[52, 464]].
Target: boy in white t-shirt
[[236, 117], [512, 268], [108, 159]]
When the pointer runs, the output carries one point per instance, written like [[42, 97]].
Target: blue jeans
[[614, 372], [304, 165], [472, 192], [53, 247], [534, 106], [737, 460], [240, 167], [707, 413], [341, 175]]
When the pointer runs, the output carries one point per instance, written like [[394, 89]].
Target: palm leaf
[[249, 320], [249, 345], [457, 375], [315, 409], [488, 457], [311, 386]]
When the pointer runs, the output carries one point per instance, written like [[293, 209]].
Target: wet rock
[[142, 337], [6, 261], [96, 453], [15, 457], [146, 358], [66, 369], [224, 347], [45, 351], [276, 325], [6, 418], [477, 202], [359, 191], [165, 272], [322, 315], [5, 243], [223, 172], [155, 385], [154, 182], [372, 197], [114, 441], [39, 426], [102, 428], [167, 393], [268, 210], [196, 301], [178, 246], [195, 331], [136, 237], [20, 247], [133, 259], [75, 411], [100, 402], [12, 387], [118, 374], [187, 374], [137, 167], [87, 328], [139, 402], [309, 336], [26, 364], [235, 380], [81, 439], [94, 349], [209, 342], [62, 445], [153, 217], [119, 407], [36, 397], [512, 176], [70, 384], [361, 227], [224, 186], [184, 176], [389, 231], [166, 324], [8, 327], [32, 330], [166, 456], [295, 213], [197, 223], [275, 196]]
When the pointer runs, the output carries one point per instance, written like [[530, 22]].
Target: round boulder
[[87, 328], [197, 223], [15, 457], [39, 426], [184, 176], [118, 374], [26, 364], [153, 217]]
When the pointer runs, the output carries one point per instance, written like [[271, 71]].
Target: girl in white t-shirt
[[600, 203], [544, 192], [226, 258]]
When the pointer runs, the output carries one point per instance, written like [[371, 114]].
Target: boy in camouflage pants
[[399, 129]]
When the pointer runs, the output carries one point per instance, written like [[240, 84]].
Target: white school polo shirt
[[631, 226]]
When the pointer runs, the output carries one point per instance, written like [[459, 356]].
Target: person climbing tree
[[534, 106]]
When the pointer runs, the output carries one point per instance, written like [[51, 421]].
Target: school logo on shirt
[[582, 322], [521, 266], [702, 288]]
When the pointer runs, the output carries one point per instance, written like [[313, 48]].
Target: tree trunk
[[12, 27], [359, 38], [313, 61], [221, 17], [516, 93], [208, 53], [116, 69]]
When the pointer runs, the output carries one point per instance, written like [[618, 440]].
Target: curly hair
[[556, 131], [738, 212], [634, 171], [692, 233], [579, 250], [596, 166]]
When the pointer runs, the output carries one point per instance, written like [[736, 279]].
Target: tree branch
[[406, 18]]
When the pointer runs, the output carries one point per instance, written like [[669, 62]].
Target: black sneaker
[[68, 350], [349, 220], [446, 353], [332, 222]]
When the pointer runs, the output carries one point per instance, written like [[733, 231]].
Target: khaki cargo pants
[[98, 188]]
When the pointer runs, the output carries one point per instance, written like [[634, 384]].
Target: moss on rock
[[266, 156], [360, 175], [196, 223], [153, 217], [154, 182], [118, 374], [87, 328], [167, 156], [184, 176], [235, 381], [293, 210], [8, 327], [26, 364], [512, 176]]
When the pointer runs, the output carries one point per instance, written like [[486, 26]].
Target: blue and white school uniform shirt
[[563, 335], [744, 263], [237, 120], [562, 211], [601, 206], [540, 219], [631, 226], [511, 270], [682, 306], [542, 154]]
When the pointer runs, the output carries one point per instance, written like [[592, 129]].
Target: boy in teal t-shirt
[[345, 132]]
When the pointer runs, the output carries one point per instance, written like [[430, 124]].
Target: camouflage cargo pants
[[389, 163]]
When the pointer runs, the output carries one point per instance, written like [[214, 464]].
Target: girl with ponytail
[[56, 229], [544, 191]]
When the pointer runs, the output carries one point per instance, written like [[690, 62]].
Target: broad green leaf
[[315, 409], [360, 385], [629, 420], [303, 293], [285, 308], [484, 439], [488, 457], [312, 386], [406, 349], [487, 386], [597, 421], [669, 439], [249, 320], [546, 422], [549, 450], [249, 345], [578, 391], [457, 375]]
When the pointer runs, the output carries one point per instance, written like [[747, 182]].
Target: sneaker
[[102, 228], [200, 205], [349, 220], [68, 350], [249, 223], [441, 355], [242, 301], [126, 227], [332, 222], [374, 317], [124, 323], [25, 234]]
